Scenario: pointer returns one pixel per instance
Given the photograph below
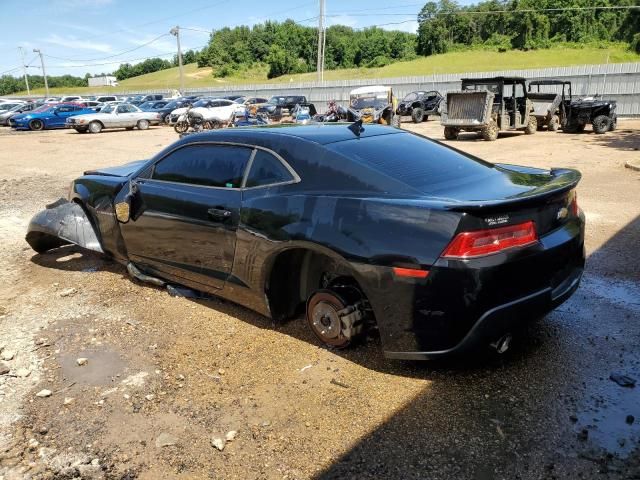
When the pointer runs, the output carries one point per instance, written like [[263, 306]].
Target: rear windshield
[[415, 161]]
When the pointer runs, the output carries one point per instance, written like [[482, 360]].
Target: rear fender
[[62, 223]]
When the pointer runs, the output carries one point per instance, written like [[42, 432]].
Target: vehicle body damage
[[438, 250]]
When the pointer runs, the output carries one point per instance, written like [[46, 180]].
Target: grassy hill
[[455, 62]]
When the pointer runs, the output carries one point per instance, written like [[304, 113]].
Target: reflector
[[410, 272]]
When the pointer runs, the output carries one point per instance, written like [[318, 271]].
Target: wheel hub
[[326, 320]]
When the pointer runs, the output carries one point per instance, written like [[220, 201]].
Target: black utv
[[601, 114], [487, 106], [419, 105], [555, 107]]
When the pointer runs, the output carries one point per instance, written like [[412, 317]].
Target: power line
[[533, 10], [111, 56], [10, 70], [126, 60]]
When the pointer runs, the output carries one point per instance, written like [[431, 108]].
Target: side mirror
[[130, 208], [123, 209]]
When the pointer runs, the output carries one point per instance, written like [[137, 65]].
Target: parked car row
[[483, 105]]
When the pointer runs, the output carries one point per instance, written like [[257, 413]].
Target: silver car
[[113, 116]]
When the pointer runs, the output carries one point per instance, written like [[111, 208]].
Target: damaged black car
[[355, 228]]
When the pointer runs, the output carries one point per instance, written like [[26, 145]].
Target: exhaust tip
[[502, 344]]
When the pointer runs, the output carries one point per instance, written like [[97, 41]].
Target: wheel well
[[298, 272], [97, 121]]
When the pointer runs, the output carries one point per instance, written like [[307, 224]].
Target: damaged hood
[[121, 171]]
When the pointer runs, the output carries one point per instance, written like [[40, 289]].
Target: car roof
[[322, 134], [370, 89], [549, 82], [495, 79]]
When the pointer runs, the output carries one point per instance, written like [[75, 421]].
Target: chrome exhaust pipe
[[502, 344]]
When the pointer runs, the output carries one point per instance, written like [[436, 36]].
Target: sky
[[95, 36]]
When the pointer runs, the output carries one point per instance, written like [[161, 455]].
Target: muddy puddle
[[103, 367]]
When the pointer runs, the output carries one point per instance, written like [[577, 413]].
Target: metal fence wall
[[616, 81], [620, 82]]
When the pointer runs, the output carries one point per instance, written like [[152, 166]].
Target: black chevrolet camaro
[[379, 228]]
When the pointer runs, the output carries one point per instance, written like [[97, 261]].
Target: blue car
[[52, 117]]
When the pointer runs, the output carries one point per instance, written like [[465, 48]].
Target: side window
[[267, 170], [122, 109], [64, 109], [206, 165], [519, 90]]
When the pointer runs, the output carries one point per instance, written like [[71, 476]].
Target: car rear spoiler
[[561, 180]]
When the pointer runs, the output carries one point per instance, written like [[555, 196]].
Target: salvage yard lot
[[166, 375]]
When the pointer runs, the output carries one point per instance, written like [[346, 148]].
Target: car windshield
[[107, 109], [369, 101], [43, 108], [202, 103], [17, 107], [411, 97], [276, 100], [480, 87], [172, 105], [146, 105]]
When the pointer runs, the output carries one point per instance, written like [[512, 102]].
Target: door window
[[206, 165], [267, 170], [122, 109]]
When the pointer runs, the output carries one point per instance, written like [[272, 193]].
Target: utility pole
[[321, 42], [44, 72], [176, 32], [24, 69]]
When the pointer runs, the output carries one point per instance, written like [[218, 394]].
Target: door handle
[[219, 213]]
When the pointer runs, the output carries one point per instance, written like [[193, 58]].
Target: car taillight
[[573, 204], [487, 242]]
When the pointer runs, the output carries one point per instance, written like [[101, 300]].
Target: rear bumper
[[468, 303], [501, 319]]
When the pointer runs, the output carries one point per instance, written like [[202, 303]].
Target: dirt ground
[[167, 378]]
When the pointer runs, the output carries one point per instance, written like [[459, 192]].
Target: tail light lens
[[573, 204], [487, 242]]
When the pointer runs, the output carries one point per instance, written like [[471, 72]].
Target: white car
[[71, 98], [219, 109], [113, 116]]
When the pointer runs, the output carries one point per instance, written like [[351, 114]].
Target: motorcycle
[[334, 113], [248, 120], [194, 121]]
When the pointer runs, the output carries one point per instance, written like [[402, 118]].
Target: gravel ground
[[176, 388]]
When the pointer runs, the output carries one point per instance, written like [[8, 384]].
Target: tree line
[[287, 47], [524, 24], [150, 65], [10, 84]]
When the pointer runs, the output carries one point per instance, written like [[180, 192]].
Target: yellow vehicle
[[376, 104]]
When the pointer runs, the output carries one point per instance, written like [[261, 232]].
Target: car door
[[60, 115], [191, 207], [122, 117]]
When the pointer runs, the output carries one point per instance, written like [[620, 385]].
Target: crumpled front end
[[62, 223]]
